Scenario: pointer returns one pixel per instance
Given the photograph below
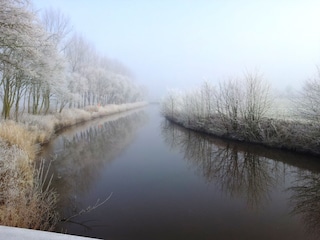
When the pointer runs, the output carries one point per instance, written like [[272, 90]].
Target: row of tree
[[242, 109], [235, 102], [45, 65]]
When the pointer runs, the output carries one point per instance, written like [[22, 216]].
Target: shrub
[[17, 134], [24, 202]]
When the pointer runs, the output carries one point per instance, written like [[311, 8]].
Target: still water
[[165, 182]]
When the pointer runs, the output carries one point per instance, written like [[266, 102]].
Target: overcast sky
[[178, 43]]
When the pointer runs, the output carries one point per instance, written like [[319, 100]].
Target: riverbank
[[292, 135], [23, 200]]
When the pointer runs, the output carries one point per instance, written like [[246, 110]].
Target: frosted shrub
[[92, 108], [72, 116], [23, 202], [308, 101], [42, 126], [16, 134]]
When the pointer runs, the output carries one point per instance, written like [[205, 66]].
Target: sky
[[170, 44]]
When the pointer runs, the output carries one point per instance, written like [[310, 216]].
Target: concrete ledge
[[13, 233]]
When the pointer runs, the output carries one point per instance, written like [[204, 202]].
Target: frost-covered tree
[[308, 101], [244, 101], [208, 93], [79, 56], [41, 63], [192, 105], [257, 100], [229, 102], [170, 104], [103, 81], [50, 81], [21, 36], [235, 105], [58, 26], [31, 67]]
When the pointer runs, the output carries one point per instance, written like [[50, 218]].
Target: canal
[[137, 176]]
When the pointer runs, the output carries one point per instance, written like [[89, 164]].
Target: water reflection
[[238, 172], [212, 189], [252, 172], [305, 200], [82, 152]]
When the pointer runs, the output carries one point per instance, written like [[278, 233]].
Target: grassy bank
[[24, 202]]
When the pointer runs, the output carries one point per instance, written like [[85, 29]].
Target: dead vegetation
[[24, 202], [26, 198]]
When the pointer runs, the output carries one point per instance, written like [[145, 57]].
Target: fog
[[178, 44]]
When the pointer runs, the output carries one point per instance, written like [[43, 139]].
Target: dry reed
[[23, 200], [26, 199]]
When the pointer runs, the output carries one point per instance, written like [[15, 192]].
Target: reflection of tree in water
[[305, 199], [238, 172], [85, 153]]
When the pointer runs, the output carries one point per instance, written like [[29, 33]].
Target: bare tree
[[169, 106], [257, 99], [238, 106], [308, 101], [229, 102], [58, 26], [208, 93]]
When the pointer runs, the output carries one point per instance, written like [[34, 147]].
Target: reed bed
[[26, 198]]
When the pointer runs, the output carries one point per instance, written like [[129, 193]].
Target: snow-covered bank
[[23, 200], [47, 125], [244, 109], [282, 134]]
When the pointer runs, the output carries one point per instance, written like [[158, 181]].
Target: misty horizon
[[178, 44]]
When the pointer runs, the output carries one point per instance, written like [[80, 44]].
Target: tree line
[[46, 66], [241, 109]]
